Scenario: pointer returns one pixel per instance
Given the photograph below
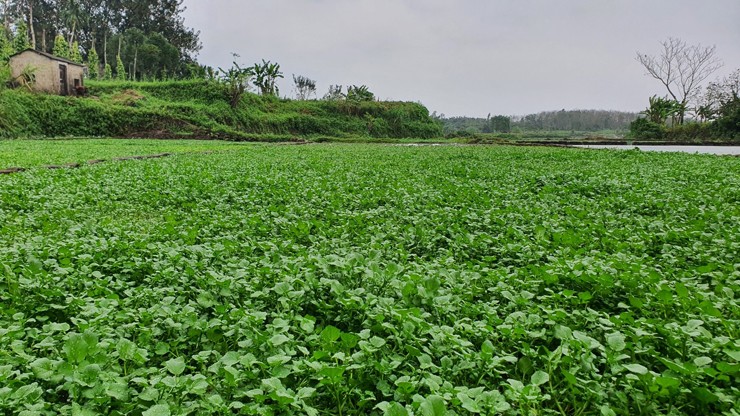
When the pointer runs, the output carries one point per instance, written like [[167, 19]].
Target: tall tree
[[93, 64], [6, 47], [107, 72], [20, 40], [29, 4], [74, 52], [500, 124], [61, 47], [681, 68], [120, 69]]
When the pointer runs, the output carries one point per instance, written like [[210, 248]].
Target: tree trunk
[[43, 39], [30, 24], [105, 48], [72, 33], [136, 57], [6, 14]]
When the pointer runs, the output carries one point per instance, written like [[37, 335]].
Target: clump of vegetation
[[359, 93], [237, 81], [644, 128], [681, 68]]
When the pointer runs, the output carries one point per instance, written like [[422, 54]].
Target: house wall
[[75, 72], [47, 72]]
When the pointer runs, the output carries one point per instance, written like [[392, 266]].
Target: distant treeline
[[569, 120]]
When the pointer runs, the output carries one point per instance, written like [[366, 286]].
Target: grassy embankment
[[200, 109]]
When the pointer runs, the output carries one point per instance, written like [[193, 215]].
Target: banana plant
[[265, 77], [361, 93], [237, 81], [661, 108]]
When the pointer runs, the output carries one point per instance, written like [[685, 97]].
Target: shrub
[[689, 133], [643, 128], [728, 124]]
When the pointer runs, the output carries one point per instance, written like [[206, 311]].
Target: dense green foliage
[[644, 128], [150, 35], [724, 128], [717, 116], [202, 109], [331, 279], [93, 64], [61, 47]]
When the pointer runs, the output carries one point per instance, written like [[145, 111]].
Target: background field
[[372, 279], [33, 153]]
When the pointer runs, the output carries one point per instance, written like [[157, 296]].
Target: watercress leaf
[[176, 366]]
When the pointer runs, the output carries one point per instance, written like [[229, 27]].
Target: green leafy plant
[[361, 93], [366, 280]]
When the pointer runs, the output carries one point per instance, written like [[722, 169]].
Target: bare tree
[[681, 68], [304, 87], [719, 94]]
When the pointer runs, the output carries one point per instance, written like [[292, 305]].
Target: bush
[[689, 133], [728, 124], [643, 128]]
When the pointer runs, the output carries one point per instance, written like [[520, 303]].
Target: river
[[711, 150]]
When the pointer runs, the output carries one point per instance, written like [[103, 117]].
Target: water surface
[[712, 150]]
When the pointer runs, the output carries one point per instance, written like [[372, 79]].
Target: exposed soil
[[9, 171]]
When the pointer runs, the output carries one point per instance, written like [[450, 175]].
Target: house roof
[[50, 56]]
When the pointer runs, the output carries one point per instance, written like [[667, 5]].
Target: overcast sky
[[468, 57]]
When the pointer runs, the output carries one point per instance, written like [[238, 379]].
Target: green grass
[[373, 279], [33, 153]]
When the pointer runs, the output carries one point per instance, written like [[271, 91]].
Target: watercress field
[[368, 279]]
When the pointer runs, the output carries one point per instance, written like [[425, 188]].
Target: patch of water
[[712, 150]]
